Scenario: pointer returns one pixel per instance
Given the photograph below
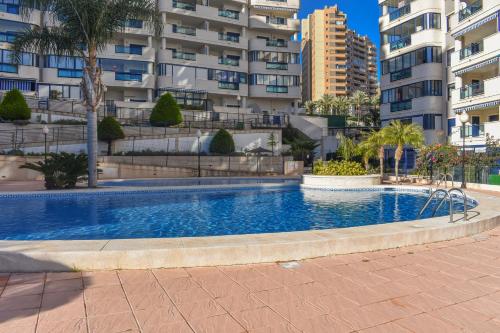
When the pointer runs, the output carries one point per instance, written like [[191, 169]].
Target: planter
[[341, 181]]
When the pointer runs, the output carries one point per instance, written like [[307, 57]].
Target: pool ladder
[[446, 194]]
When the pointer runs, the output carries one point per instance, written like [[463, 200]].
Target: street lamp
[[198, 135], [464, 119], [45, 131], [238, 98]]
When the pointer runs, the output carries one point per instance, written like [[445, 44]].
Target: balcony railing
[[8, 68], [70, 73], [472, 49], [473, 131], [122, 76], [401, 106], [9, 8], [229, 85], [136, 24], [276, 20], [400, 75], [229, 14], [282, 66], [277, 89], [128, 49], [470, 10], [184, 30], [472, 90], [184, 5], [400, 43], [229, 38], [229, 61], [277, 43], [7, 37], [184, 56], [400, 12]]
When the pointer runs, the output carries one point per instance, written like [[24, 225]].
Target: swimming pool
[[201, 212], [161, 182]]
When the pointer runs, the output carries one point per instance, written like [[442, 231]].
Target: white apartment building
[[439, 59], [216, 55]]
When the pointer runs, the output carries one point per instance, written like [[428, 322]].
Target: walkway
[[444, 287]]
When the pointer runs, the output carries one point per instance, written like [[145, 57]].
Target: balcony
[[472, 90], [10, 8], [269, 23], [277, 89], [472, 131], [281, 66], [123, 76], [70, 73], [8, 68], [229, 61], [280, 45], [183, 5], [470, 10], [7, 37], [400, 43], [202, 60], [401, 75], [400, 12], [184, 56], [401, 106], [476, 52], [231, 14], [176, 29], [196, 10], [474, 134], [276, 43], [132, 49], [472, 49], [229, 37], [228, 85]]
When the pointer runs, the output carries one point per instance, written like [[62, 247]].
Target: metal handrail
[[446, 194], [456, 189], [444, 178]]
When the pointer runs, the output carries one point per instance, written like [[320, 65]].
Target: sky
[[362, 15]]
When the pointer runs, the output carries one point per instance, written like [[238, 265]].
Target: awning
[[475, 25], [477, 106], [479, 65], [282, 9]]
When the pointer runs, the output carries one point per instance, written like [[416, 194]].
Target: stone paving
[[451, 286]]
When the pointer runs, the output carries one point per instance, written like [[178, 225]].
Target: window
[[22, 85], [451, 87], [431, 54], [277, 57], [414, 90], [493, 118], [429, 122], [420, 23], [275, 80]]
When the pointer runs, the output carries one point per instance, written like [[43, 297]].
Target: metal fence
[[473, 174]]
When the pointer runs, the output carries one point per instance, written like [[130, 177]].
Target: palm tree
[[374, 103], [84, 28], [398, 134], [310, 106], [373, 146], [341, 105], [358, 100], [325, 104], [347, 147]]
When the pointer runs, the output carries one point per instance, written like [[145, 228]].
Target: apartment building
[[217, 55], [335, 60], [440, 58]]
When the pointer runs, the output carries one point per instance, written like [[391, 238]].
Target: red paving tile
[[450, 286]]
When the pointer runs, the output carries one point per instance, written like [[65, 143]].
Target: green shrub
[[338, 168], [109, 130], [166, 112], [61, 171], [222, 143], [14, 106]]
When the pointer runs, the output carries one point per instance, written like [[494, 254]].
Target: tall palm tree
[[325, 104], [374, 103], [398, 134], [341, 105], [83, 28], [359, 99], [310, 106], [374, 146]]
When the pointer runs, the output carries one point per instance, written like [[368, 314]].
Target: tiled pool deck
[[451, 286]]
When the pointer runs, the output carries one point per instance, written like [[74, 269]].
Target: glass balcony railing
[[401, 106], [400, 43], [184, 56], [7, 37], [122, 76], [400, 75], [277, 89], [472, 90], [229, 38], [400, 12], [282, 66], [277, 43], [276, 20], [229, 85], [9, 8], [229, 14], [8, 68], [472, 49], [470, 10], [70, 73], [229, 61], [474, 131], [136, 24], [184, 5], [137, 50], [184, 30]]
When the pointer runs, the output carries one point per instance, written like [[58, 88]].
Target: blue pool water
[[196, 181], [200, 213]]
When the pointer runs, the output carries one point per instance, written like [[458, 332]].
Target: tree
[[398, 134], [85, 27], [166, 112], [325, 104], [373, 146], [341, 105], [14, 106], [374, 104], [222, 143], [272, 141], [358, 100], [347, 147], [109, 130], [310, 106], [303, 149]]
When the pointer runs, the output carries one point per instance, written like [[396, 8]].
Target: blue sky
[[362, 15]]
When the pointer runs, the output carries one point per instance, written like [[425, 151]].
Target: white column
[[150, 95], [244, 102], [163, 43], [150, 41]]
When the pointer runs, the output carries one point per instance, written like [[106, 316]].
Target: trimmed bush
[[109, 130], [222, 143], [14, 106], [166, 112], [338, 168]]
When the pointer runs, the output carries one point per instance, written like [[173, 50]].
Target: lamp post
[[239, 103], [464, 119], [45, 131], [198, 135]]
